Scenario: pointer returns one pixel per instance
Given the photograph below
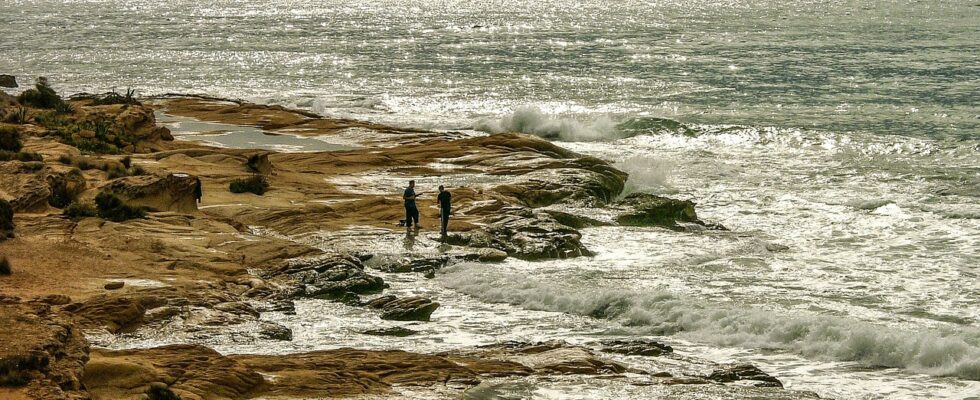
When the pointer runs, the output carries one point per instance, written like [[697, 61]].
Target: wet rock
[[237, 308], [114, 285], [270, 330], [635, 347], [415, 308], [8, 81], [525, 234], [745, 372], [351, 299], [396, 331], [776, 247], [162, 313], [174, 192], [651, 210], [552, 357], [330, 276], [574, 221]]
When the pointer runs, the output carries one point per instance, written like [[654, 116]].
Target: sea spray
[[951, 351], [646, 173], [530, 119]]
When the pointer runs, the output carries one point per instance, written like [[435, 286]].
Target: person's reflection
[[409, 241]]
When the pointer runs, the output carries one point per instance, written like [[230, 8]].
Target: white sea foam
[[530, 119], [948, 352]]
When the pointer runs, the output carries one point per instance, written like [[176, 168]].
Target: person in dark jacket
[[411, 210], [445, 200]]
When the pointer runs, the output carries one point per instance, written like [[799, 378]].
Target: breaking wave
[[531, 120], [646, 173], [941, 352]]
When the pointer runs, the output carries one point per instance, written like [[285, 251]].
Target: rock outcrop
[[414, 308], [41, 352], [645, 209], [525, 234], [328, 276], [173, 192]]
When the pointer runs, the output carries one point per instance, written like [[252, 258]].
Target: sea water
[[838, 140]]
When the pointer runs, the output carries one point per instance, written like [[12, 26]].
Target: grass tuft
[[254, 184], [112, 208]]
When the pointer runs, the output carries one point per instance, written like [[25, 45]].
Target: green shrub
[[254, 184], [116, 172], [5, 266], [112, 208], [10, 139], [66, 159], [77, 210], [127, 161], [23, 156], [41, 96], [33, 166]]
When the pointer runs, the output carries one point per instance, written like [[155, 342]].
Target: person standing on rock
[[445, 200], [411, 210]]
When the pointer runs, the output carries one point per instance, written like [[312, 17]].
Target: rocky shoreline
[[105, 236]]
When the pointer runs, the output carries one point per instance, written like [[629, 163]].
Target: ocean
[[838, 140]]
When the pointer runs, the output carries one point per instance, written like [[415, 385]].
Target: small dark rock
[[648, 348], [745, 372], [395, 331], [351, 299], [274, 331], [8, 81], [114, 285], [414, 308]]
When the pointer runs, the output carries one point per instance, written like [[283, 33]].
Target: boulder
[[329, 276], [745, 372], [525, 234], [174, 192], [8, 81], [415, 308], [645, 209], [271, 330], [114, 285]]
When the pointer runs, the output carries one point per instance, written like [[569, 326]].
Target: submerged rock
[[396, 331], [745, 372]]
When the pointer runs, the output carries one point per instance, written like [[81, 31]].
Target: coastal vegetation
[[255, 184]]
